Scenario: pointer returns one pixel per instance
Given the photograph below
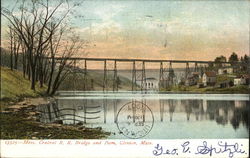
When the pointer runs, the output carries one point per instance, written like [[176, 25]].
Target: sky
[[182, 30]]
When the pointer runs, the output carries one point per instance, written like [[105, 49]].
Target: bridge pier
[[105, 76], [196, 67], [115, 79], [143, 77], [163, 76], [74, 75], [171, 75], [85, 75], [133, 77], [138, 75], [187, 72]]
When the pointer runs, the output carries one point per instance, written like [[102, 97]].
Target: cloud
[[108, 11]]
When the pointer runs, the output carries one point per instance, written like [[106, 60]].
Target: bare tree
[[61, 67], [31, 27], [10, 33], [16, 49], [38, 29]]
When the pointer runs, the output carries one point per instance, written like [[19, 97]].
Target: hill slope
[[94, 82], [15, 87]]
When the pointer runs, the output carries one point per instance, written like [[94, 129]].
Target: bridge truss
[[166, 71]]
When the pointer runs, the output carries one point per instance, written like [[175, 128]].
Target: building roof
[[246, 76], [195, 73], [226, 67], [210, 74], [239, 78], [151, 78]]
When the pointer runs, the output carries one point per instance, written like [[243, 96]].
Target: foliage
[[241, 63], [76, 81], [246, 64], [233, 58], [242, 89], [38, 31], [222, 78], [220, 59]]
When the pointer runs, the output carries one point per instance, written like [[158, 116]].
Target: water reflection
[[177, 111]]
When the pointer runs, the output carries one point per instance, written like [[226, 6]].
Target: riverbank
[[14, 87], [241, 89], [20, 121], [19, 117]]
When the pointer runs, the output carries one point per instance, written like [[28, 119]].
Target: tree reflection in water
[[223, 112]]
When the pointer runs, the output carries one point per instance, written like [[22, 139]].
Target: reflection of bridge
[[138, 69]]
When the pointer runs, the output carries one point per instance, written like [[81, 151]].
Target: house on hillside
[[209, 78], [242, 80], [226, 70], [192, 79], [239, 81]]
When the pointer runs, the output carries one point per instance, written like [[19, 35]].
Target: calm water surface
[[175, 116]]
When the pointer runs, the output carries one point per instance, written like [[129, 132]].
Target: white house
[[152, 83], [225, 70], [239, 81], [209, 78]]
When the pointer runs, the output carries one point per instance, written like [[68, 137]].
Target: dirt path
[[27, 102]]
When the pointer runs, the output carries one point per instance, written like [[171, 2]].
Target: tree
[[219, 60], [210, 67], [31, 27], [245, 64], [35, 28], [11, 47], [61, 67], [233, 58]]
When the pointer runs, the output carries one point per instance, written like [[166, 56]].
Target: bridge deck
[[140, 60]]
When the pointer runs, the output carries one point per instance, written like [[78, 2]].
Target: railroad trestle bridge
[[138, 70]]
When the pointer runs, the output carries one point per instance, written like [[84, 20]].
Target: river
[[156, 115]]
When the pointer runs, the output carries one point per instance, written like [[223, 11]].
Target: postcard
[[125, 78]]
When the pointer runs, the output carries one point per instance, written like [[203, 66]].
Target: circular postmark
[[135, 120]]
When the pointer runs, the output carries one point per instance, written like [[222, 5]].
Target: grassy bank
[[14, 87], [242, 89]]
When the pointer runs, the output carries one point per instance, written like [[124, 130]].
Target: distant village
[[216, 75]]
